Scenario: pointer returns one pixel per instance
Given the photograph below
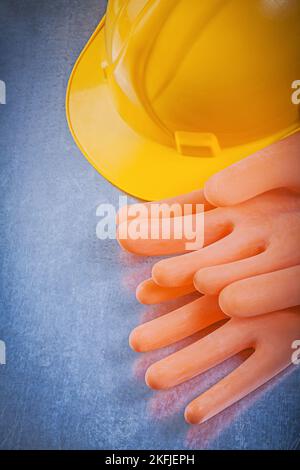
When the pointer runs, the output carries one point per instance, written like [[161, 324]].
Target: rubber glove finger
[[154, 237], [180, 270], [273, 336], [176, 325], [176, 205], [258, 369], [213, 279], [200, 356], [149, 293], [262, 294], [274, 167]]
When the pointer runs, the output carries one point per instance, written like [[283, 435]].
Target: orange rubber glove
[[254, 265], [270, 336], [258, 274], [277, 166], [246, 249]]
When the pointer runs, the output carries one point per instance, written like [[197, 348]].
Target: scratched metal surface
[[67, 301]]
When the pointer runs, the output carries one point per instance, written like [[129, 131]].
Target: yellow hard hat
[[168, 92]]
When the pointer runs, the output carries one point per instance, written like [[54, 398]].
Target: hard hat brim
[[136, 165]]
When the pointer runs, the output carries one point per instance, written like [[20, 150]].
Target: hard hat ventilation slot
[[197, 144]]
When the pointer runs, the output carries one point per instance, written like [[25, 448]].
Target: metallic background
[[67, 299]]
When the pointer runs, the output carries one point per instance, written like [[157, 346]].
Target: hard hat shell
[[168, 92]]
